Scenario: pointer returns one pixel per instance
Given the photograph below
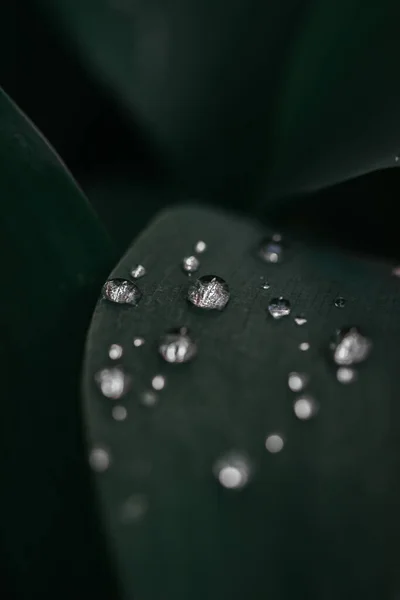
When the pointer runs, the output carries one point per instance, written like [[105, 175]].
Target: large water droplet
[[279, 307], [340, 302], [297, 381], [274, 443], [190, 264], [177, 347], [99, 460], [158, 382], [115, 351], [200, 247], [304, 346], [271, 250], [121, 291], [112, 382], [305, 408], [346, 375], [232, 471], [350, 347], [209, 292], [138, 272]]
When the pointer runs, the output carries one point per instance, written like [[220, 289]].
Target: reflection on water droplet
[[121, 291], [134, 508], [305, 408], [138, 341], [396, 271], [346, 375], [300, 321], [274, 443], [304, 346], [200, 247], [158, 382], [119, 413], [279, 307], [177, 347], [190, 264], [297, 381], [99, 460], [112, 382], [232, 471], [209, 292], [350, 346], [271, 250], [115, 351], [340, 302], [149, 398], [138, 272], [265, 285]]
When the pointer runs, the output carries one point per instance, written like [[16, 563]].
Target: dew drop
[[99, 460], [232, 471], [121, 291], [300, 321], [274, 443], [158, 382], [112, 382], [200, 247], [115, 351], [138, 341], [279, 307], [304, 346], [209, 292], [350, 347], [177, 347], [149, 398], [271, 250], [119, 413], [305, 408], [138, 272], [346, 375], [297, 381], [190, 264], [340, 302]]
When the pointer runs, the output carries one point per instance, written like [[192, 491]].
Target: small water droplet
[[274, 443], [350, 346], [149, 398], [396, 271], [134, 508], [121, 291], [190, 264], [158, 382], [340, 302], [279, 307], [346, 375], [271, 250], [396, 158], [232, 471], [177, 347], [277, 237], [265, 285], [138, 272], [200, 247], [209, 292], [99, 460], [304, 346], [138, 341], [300, 320], [115, 351], [297, 381], [305, 408], [112, 382], [119, 413]]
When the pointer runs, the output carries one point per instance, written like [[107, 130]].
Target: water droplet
[[200, 247], [396, 271], [279, 307], [138, 272], [177, 347], [305, 408], [271, 250], [119, 413], [134, 508], [265, 285], [209, 292], [300, 321], [112, 382], [350, 347], [158, 382], [99, 460], [340, 302], [232, 471], [304, 346], [346, 375], [115, 351], [138, 341], [274, 443], [149, 398], [190, 264], [121, 291], [396, 158], [277, 237], [297, 381]]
